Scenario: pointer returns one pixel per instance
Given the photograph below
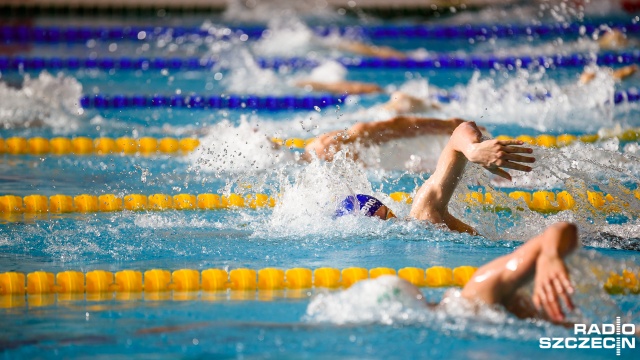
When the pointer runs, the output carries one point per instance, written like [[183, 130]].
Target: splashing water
[[43, 101], [568, 108], [285, 36], [577, 169], [246, 76], [237, 149], [309, 202], [329, 71]]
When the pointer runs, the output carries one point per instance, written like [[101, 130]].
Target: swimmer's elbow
[[466, 133], [564, 239]]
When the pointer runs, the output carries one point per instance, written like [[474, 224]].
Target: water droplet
[[317, 108]]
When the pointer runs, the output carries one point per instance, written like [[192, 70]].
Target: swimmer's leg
[[542, 256]]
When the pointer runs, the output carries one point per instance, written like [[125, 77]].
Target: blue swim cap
[[365, 203]]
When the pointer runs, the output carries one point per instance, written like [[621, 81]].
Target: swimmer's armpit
[[340, 87]]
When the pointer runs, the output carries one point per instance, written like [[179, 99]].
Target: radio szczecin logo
[[607, 336]]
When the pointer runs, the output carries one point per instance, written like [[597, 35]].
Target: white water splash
[[583, 108], [384, 300], [247, 77], [329, 71], [285, 36], [45, 101], [244, 148]]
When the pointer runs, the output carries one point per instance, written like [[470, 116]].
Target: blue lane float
[[54, 34], [624, 96], [443, 61], [271, 103]]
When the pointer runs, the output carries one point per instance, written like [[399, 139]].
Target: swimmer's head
[[366, 205]]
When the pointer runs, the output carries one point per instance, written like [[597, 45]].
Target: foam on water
[[329, 71], [308, 202], [245, 76], [244, 148], [383, 300], [45, 101], [285, 36], [389, 300], [169, 221], [584, 108]]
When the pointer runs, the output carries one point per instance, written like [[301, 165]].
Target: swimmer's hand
[[552, 282], [494, 155]]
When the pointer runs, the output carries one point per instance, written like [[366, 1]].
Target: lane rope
[[193, 101], [55, 34], [82, 145], [441, 61], [183, 280], [274, 103], [542, 201]]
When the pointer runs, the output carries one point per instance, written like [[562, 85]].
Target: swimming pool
[[235, 156]]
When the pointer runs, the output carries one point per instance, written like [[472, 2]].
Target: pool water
[[236, 156]]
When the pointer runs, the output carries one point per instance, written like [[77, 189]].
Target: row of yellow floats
[[540, 201], [134, 202], [546, 140], [158, 280], [86, 146], [168, 145]]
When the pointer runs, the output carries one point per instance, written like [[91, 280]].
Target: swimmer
[[432, 199], [618, 75], [498, 282]]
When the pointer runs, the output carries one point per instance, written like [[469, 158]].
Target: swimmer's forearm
[[625, 72], [432, 200], [559, 246]]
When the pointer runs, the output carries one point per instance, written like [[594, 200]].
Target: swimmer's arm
[[619, 74], [431, 201], [624, 72], [384, 52], [378, 132], [341, 87], [497, 281]]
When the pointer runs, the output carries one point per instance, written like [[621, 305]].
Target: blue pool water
[[299, 231]]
